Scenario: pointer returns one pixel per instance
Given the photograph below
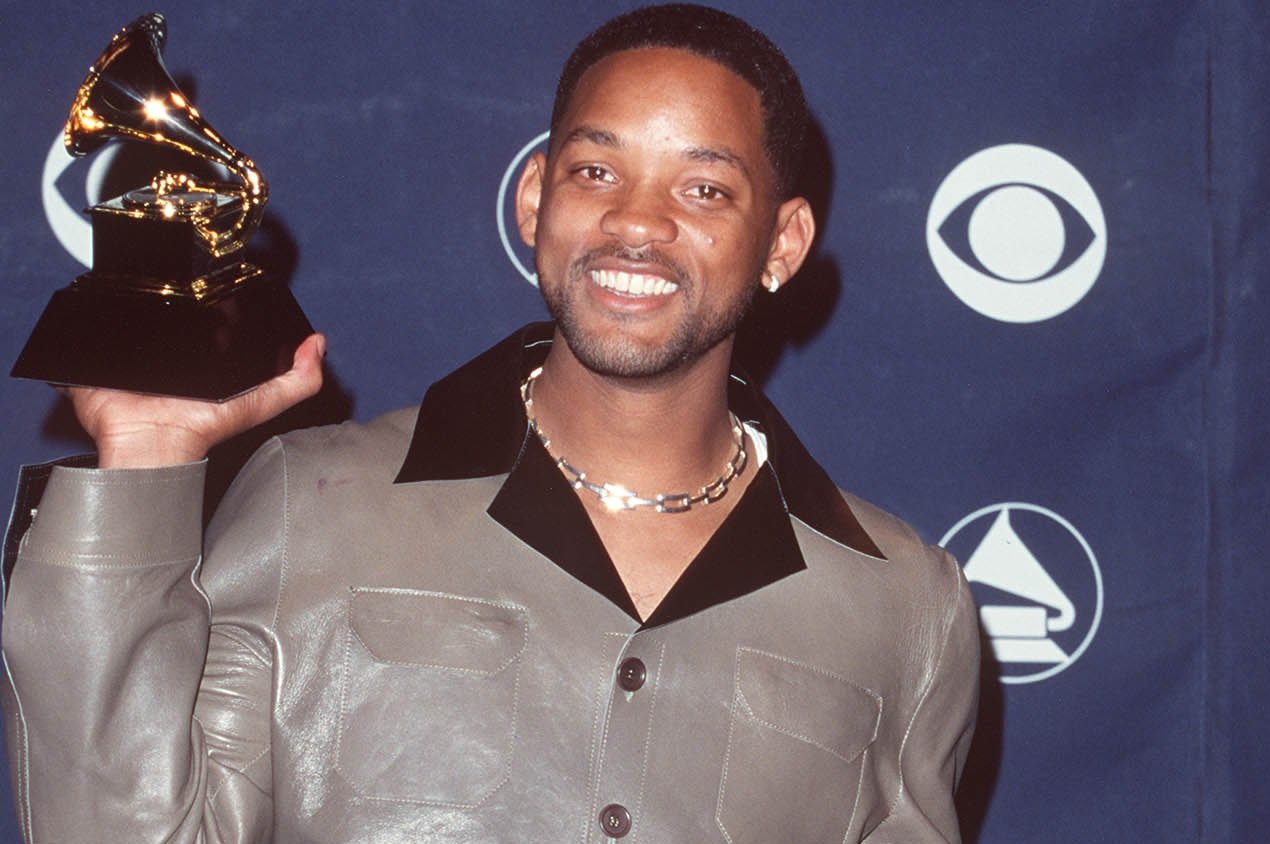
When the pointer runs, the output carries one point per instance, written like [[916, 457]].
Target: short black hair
[[722, 38]]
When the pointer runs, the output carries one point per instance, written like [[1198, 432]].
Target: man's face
[[654, 216]]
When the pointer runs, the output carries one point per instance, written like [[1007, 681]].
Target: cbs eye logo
[[1017, 233], [69, 226]]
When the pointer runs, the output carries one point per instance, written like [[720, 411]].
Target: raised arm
[[110, 642]]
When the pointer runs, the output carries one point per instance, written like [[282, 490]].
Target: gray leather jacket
[[366, 648]]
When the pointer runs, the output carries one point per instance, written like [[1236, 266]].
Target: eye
[[1017, 233], [707, 192], [594, 173]]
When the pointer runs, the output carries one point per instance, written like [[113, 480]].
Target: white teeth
[[633, 284]]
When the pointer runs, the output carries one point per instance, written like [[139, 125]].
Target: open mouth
[[633, 284]]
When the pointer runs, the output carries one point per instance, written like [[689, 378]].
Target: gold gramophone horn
[[128, 93]]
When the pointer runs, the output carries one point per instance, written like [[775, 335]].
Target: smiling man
[[593, 588]]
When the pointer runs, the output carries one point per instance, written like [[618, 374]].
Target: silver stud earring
[[773, 283]]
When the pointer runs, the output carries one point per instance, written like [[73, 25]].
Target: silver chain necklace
[[616, 497]]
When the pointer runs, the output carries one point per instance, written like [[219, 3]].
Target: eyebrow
[[596, 136], [707, 155], [717, 155]]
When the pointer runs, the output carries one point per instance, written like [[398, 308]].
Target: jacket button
[[631, 674], [615, 820]]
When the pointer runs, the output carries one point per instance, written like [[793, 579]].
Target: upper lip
[[625, 265]]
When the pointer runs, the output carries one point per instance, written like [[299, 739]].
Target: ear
[[795, 230], [529, 197]]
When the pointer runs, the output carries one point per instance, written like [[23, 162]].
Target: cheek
[[565, 221], [711, 242], [723, 247], [553, 235]]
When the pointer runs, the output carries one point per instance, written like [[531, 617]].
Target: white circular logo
[[69, 224], [1017, 233], [506, 214], [1037, 584]]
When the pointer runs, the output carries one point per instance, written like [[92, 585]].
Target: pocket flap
[[435, 630], [807, 703]]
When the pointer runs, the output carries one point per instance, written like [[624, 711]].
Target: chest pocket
[[796, 752], [428, 707]]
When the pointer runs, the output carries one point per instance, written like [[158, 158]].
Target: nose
[[639, 217]]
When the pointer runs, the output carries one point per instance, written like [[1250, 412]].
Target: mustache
[[649, 255]]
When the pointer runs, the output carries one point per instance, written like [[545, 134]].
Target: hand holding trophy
[[170, 307]]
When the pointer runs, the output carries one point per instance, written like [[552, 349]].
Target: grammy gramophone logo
[[1037, 583]]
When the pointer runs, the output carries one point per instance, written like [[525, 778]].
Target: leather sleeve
[[937, 741], [131, 714]]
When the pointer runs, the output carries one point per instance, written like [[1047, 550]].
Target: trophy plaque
[[170, 306]]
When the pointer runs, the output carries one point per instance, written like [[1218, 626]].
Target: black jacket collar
[[472, 424]]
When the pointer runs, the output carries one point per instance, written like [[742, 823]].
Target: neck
[[663, 434]]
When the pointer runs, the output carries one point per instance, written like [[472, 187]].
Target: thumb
[[303, 380]]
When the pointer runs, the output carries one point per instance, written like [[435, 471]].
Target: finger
[[310, 352], [302, 381], [305, 376]]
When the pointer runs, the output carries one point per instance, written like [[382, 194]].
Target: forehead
[[669, 92]]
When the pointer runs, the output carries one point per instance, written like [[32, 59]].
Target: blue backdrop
[[1035, 324]]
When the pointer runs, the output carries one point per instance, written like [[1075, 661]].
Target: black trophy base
[[168, 345]]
